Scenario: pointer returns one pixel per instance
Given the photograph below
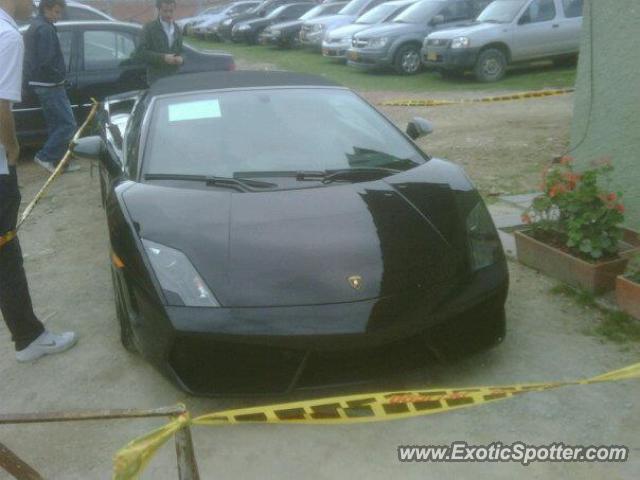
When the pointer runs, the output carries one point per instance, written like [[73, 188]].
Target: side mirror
[[419, 127], [437, 20], [87, 148]]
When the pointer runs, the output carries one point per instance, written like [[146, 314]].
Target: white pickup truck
[[507, 32]]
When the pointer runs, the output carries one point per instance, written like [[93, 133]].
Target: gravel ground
[[65, 245]]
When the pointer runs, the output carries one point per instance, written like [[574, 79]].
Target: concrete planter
[[593, 277], [628, 296]]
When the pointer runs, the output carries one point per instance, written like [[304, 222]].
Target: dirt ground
[[66, 250]]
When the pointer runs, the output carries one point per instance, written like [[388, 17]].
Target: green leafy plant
[[575, 212], [633, 269]]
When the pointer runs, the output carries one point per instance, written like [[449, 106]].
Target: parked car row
[[450, 36]]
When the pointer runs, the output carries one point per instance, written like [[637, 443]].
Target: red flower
[[557, 189], [619, 207], [612, 197], [526, 218], [572, 179]]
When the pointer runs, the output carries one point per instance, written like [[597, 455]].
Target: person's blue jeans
[[61, 124]]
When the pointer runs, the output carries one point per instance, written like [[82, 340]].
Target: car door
[[107, 63], [536, 33], [30, 124], [570, 25]]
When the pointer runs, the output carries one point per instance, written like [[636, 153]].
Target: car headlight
[[180, 282], [460, 42], [227, 22], [244, 28], [484, 243], [378, 42], [275, 33]]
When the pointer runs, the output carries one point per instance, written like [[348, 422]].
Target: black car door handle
[[555, 25]]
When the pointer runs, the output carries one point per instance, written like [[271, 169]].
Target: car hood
[[348, 30], [288, 24], [307, 246], [466, 30], [391, 29], [257, 22]]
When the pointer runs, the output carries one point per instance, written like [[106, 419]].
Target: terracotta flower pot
[[628, 296], [595, 277]]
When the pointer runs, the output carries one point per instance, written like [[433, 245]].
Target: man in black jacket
[[161, 44], [45, 74]]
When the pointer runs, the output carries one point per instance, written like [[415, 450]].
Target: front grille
[[210, 367]]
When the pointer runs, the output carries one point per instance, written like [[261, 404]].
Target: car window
[[106, 50], [572, 8], [75, 13], [420, 12], [539, 11], [501, 11], [297, 10], [205, 133], [66, 42], [458, 10]]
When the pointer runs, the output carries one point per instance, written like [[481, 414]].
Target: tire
[[491, 66], [126, 334], [407, 60]]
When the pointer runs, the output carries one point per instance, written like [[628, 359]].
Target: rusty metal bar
[[84, 415], [16, 467], [187, 465]]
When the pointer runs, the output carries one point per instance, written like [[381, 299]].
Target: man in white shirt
[[161, 43], [30, 337]]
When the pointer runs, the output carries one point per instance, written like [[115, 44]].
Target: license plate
[[353, 56], [432, 56]]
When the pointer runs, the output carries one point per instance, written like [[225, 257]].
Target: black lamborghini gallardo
[[272, 231]]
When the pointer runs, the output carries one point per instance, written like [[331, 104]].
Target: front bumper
[[212, 351], [449, 58], [311, 39], [368, 59], [334, 50]]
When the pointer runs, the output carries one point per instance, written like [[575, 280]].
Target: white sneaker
[[47, 343], [46, 165]]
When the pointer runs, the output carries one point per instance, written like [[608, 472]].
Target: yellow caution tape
[[501, 98], [7, 237], [369, 407]]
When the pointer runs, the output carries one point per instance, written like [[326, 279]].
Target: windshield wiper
[[357, 173], [242, 184], [325, 176]]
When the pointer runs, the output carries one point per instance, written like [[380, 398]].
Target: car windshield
[[277, 11], [321, 10], [501, 11], [286, 129], [420, 12], [378, 14], [212, 10], [353, 7]]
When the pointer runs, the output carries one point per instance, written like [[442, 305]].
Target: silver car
[[507, 32], [337, 41]]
